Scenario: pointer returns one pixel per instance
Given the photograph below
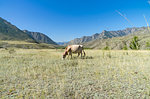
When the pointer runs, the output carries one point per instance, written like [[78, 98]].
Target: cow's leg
[[70, 53], [78, 54], [68, 56], [81, 54], [84, 53]]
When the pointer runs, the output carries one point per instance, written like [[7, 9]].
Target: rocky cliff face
[[104, 35], [40, 37]]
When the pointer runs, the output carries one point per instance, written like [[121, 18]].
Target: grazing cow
[[73, 49]]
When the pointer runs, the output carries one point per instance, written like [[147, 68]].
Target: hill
[[105, 35], [11, 32], [27, 45], [11, 36], [119, 42], [40, 37]]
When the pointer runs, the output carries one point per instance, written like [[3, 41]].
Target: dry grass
[[102, 74], [16, 42], [27, 45]]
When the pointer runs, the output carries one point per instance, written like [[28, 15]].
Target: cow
[[73, 49]]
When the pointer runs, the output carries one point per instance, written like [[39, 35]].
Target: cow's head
[[64, 54]]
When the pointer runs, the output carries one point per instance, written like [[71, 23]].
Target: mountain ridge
[[9, 31], [118, 43], [40, 37], [105, 35]]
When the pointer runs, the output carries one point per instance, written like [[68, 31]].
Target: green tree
[[134, 43]]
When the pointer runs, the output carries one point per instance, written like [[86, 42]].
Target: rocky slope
[[105, 35], [40, 37], [11, 32], [118, 43]]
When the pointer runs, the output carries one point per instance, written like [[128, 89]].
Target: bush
[[125, 47], [148, 45], [134, 43], [106, 48]]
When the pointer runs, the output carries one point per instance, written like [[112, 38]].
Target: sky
[[64, 20]]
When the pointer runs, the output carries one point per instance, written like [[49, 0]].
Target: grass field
[[40, 74]]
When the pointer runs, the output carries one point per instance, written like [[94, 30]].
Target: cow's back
[[76, 48]]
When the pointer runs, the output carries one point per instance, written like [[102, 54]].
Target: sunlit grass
[[31, 73], [16, 42]]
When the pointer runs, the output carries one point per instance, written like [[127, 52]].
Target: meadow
[[41, 73]]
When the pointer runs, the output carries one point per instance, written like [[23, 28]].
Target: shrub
[[148, 45], [125, 47], [134, 43], [106, 48]]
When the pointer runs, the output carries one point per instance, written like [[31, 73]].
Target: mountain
[[11, 32], [40, 37], [119, 42], [62, 43], [104, 35]]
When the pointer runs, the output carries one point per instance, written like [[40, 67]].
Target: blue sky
[[64, 20]]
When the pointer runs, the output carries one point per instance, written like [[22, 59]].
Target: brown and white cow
[[73, 49]]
